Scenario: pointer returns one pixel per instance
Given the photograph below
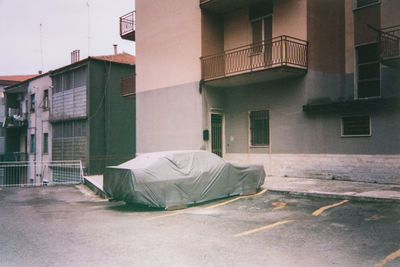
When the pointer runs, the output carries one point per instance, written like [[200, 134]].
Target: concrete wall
[[237, 29], [325, 32], [168, 43], [388, 17], [169, 118], [38, 124], [290, 18]]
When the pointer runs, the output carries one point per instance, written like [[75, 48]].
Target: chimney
[[40, 71], [75, 56], [115, 49]]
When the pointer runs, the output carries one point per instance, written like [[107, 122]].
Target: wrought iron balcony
[[15, 118], [127, 26], [389, 45], [283, 53]]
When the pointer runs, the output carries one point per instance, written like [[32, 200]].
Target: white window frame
[[355, 135]]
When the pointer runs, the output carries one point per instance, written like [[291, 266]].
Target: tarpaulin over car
[[176, 178]]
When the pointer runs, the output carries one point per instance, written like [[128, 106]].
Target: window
[[46, 99], [33, 144], [259, 128], [356, 126], [45, 143], [69, 80], [32, 107], [362, 3], [368, 70]]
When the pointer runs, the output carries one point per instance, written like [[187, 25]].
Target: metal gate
[[216, 134], [24, 173]]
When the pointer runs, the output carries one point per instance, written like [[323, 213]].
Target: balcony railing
[[127, 26], [389, 42], [282, 51], [15, 118]]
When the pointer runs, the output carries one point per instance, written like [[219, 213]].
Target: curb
[[332, 195], [95, 189]]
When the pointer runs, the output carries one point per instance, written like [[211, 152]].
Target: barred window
[[356, 126], [259, 128]]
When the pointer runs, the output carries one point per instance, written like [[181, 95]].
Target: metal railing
[[127, 23], [389, 41], [25, 173], [279, 51]]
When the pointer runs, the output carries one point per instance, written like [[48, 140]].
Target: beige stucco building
[[307, 88]]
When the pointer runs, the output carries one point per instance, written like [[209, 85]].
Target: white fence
[[24, 173]]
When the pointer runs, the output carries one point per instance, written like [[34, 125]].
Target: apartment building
[[307, 88], [93, 111], [4, 82]]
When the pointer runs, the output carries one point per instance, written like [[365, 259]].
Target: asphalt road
[[69, 226]]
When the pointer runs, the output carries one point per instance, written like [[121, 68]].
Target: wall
[[111, 117], [388, 17], [212, 39], [325, 32], [168, 43], [169, 119], [236, 29], [38, 124], [290, 18]]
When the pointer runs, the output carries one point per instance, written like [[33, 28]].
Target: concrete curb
[[95, 189], [334, 195]]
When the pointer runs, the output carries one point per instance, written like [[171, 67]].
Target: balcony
[[127, 26], [280, 57], [15, 118], [390, 46]]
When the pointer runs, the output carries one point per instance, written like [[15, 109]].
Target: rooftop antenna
[[88, 12], [41, 47]]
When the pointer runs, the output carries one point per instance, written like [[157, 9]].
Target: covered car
[[179, 178]]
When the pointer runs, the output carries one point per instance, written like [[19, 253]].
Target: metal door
[[216, 134]]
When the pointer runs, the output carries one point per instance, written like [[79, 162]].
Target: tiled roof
[[17, 78], [123, 57]]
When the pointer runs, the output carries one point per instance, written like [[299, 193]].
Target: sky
[[26, 47]]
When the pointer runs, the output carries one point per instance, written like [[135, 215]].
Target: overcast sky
[[64, 29]]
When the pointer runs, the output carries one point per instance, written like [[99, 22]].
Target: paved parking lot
[[69, 226]]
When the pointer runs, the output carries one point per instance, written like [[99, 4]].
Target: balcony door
[[261, 41]]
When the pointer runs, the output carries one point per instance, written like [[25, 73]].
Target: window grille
[[356, 126], [259, 128]]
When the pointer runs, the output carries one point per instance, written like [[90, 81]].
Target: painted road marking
[[390, 257], [164, 215], [278, 205], [262, 228], [234, 199], [374, 218], [322, 209]]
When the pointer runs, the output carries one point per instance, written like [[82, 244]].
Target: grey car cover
[[175, 178]]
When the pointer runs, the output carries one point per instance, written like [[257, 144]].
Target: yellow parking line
[[234, 199], [165, 215], [322, 209], [263, 228], [278, 205], [390, 257]]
